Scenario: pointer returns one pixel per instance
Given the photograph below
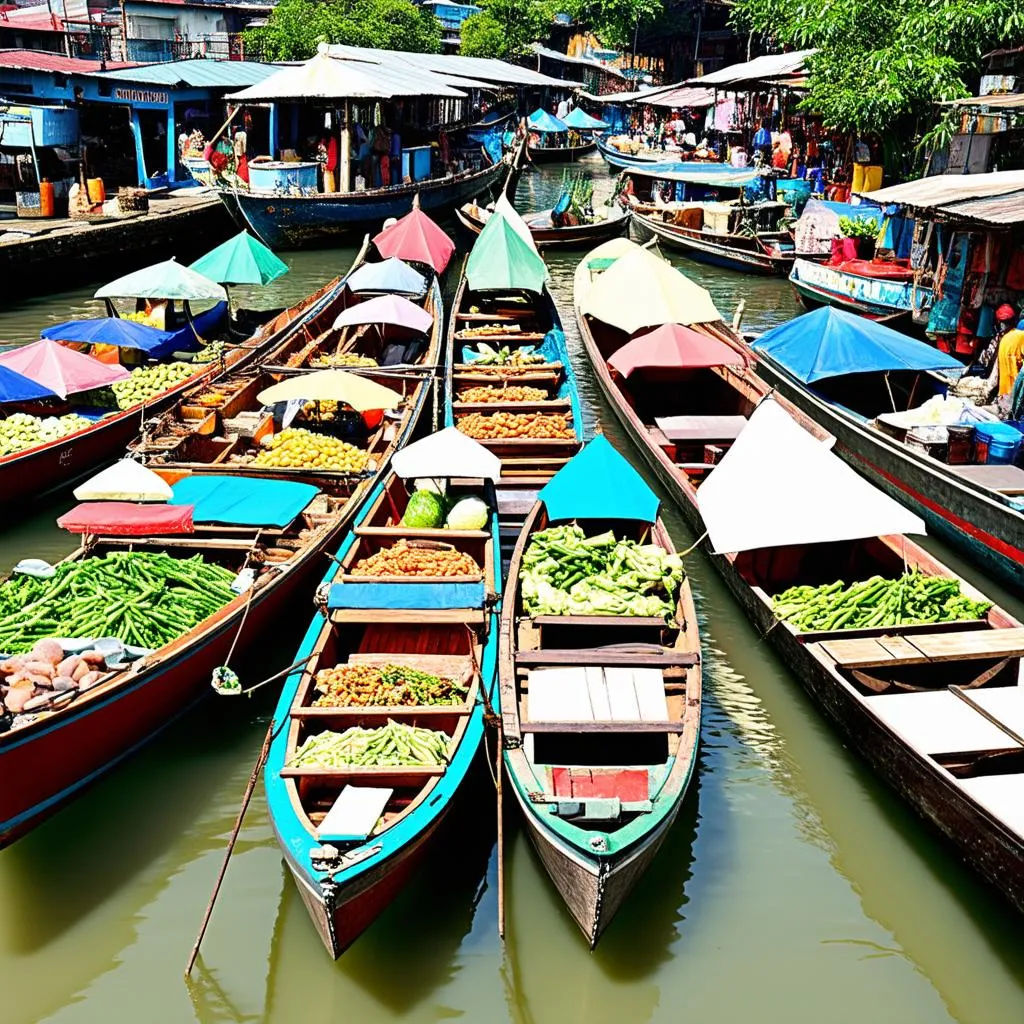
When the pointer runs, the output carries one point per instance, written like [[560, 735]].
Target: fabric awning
[[502, 260], [578, 118], [773, 68], [357, 392], [62, 370], [167, 280], [241, 260], [598, 483], [126, 519], [445, 454], [780, 485], [16, 387], [395, 310], [673, 346], [416, 238], [711, 175], [832, 343], [125, 480], [242, 501], [109, 330], [680, 97], [540, 120], [390, 275]]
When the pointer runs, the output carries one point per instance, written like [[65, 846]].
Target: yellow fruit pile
[[295, 448], [344, 359]]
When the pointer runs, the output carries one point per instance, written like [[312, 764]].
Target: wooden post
[[345, 154]]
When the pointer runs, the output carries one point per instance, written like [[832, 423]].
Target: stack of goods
[[500, 425], [486, 355], [490, 394], [574, 205], [406, 558], [393, 745], [565, 572], [147, 382], [34, 681], [343, 359], [20, 430], [295, 448], [426, 511], [348, 686], [909, 600]]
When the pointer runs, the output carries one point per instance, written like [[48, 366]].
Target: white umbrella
[[445, 454], [126, 480]]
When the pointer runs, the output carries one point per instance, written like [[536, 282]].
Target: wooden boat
[[620, 161], [348, 872], [297, 222], [29, 474], [560, 154], [546, 234], [767, 252], [514, 321], [977, 508], [58, 751], [935, 710], [894, 302], [598, 792]]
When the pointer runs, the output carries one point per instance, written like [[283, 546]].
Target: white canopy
[[780, 485], [125, 480], [445, 454]]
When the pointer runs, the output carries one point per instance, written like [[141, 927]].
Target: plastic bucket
[[97, 193]]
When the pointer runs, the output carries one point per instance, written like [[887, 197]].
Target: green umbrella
[[241, 260], [501, 259], [167, 280]]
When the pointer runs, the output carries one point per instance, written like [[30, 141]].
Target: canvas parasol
[[125, 480], [60, 369], [502, 260], [390, 275], [672, 346], [541, 121], [241, 260], [393, 310], [359, 393], [445, 454], [579, 119], [417, 239], [109, 330], [167, 280], [15, 387]]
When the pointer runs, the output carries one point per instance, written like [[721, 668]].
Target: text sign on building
[[141, 96]]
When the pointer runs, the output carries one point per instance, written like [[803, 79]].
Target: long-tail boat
[[509, 382], [934, 708], [398, 642], [547, 234], [600, 709]]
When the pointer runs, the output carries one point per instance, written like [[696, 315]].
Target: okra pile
[[911, 599], [144, 599], [392, 745]]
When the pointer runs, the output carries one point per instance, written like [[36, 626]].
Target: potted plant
[[863, 231]]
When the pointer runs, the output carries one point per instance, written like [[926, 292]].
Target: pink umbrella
[[62, 370], [387, 309], [418, 239], [674, 347]]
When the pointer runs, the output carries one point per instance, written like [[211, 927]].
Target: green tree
[[505, 28], [881, 65], [616, 22], [296, 27]]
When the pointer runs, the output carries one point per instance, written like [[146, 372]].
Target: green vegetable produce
[[567, 573], [393, 745], [144, 599], [424, 511], [911, 599], [21, 431], [468, 514], [147, 382]]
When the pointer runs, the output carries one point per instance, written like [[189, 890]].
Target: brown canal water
[[795, 888]]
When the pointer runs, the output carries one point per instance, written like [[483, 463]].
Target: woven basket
[[133, 199]]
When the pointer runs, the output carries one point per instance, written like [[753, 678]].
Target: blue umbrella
[[15, 387], [599, 483], [578, 118], [390, 275], [109, 330], [831, 343], [542, 121]]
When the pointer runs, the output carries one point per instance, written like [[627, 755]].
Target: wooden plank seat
[[354, 814], [938, 722], [402, 774], [701, 428], [600, 656], [1002, 795], [923, 648], [414, 616], [637, 621], [1004, 479], [604, 727]]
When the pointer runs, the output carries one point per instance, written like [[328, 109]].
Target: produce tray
[[382, 711], [393, 772], [548, 406]]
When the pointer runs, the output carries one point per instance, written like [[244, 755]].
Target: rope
[[693, 547]]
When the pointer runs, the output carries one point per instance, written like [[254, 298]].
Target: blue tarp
[[599, 483], [406, 595], [580, 119], [540, 120], [16, 387], [110, 330], [831, 342], [242, 501]]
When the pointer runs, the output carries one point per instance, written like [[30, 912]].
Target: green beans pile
[[909, 600], [142, 598], [393, 745]]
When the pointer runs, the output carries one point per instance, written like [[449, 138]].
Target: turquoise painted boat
[[353, 834], [600, 711]]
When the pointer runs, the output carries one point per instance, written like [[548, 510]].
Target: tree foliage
[[880, 65], [505, 28], [615, 22], [296, 27]]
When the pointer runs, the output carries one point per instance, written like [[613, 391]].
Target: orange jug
[[46, 198]]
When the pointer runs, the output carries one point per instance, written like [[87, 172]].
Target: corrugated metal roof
[[628, 97], [774, 67], [687, 96], [43, 60], [1001, 100], [196, 74], [995, 198], [588, 62]]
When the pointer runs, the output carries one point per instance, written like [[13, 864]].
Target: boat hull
[[817, 284], [990, 532], [296, 222], [581, 236], [559, 154], [739, 253], [618, 161]]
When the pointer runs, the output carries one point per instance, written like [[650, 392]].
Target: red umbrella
[[672, 346], [62, 370], [418, 239]]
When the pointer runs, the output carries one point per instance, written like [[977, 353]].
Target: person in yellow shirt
[[1010, 359]]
